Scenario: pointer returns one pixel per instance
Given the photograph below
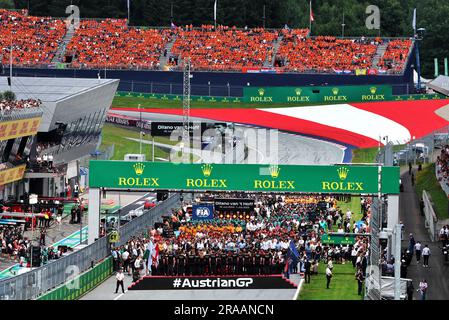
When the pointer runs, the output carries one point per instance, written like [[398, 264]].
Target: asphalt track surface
[[436, 273], [293, 148], [106, 291]]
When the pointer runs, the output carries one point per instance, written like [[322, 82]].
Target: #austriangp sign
[[211, 282], [242, 177]]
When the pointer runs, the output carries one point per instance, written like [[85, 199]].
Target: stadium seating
[[324, 54], [395, 57], [110, 43], [225, 49], [35, 39]]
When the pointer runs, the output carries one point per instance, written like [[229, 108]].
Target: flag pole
[[215, 14], [310, 17]]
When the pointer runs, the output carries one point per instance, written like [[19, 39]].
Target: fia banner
[[202, 212]]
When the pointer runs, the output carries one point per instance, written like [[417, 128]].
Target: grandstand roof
[[50, 89], [440, 85]]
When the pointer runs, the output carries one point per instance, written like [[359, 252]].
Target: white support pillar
[[392, 211], [94, 215], [397, 262]]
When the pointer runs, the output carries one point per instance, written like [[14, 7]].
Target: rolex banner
[[242, 177], [328, 94]]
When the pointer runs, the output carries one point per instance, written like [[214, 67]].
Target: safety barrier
[[80, 285], [137, 225], [431, 218], [35, 283]]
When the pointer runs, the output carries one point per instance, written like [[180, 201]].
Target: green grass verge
[[343, 284], [426, 180], [116, 135], [353, 205], [133, 102], [368, 155]]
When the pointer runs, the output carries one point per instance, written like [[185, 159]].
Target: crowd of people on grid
[[110, 43], [255, 246], [17, 246]]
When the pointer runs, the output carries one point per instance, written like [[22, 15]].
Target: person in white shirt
[[426, 255], [348, 214], [418, 251], [120, 276], [328, 277]]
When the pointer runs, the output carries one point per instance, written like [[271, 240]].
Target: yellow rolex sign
[[241, 177]]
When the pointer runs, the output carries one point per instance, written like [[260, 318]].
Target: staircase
[[60, 54], [276, 46], [379, 54], [163, 60]]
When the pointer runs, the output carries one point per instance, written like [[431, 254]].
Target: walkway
[[436, 274]]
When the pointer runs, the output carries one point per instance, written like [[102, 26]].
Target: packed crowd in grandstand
[[442, 165], [34, 40], [101, 44], [6, 105], [254, 246]]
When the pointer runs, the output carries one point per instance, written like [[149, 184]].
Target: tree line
[[395, 16]]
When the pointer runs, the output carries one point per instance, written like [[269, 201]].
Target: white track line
[[301, 282], [120, 295]]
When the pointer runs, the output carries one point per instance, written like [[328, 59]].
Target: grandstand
[[101, 44], [70, 114]]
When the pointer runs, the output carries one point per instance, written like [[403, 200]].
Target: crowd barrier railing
[[35, 283]]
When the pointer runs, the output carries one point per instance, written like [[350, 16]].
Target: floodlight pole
[[186, 108]]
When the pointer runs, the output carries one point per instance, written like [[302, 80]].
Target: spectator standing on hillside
[[426, 255]]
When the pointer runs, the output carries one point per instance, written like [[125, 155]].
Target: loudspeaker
[[161, 195], [36, 257]]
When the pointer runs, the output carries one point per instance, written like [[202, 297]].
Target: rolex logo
[[138, 168], [335, 91], [298, 91], [343, 173], [274, 171], [373, 90], [261, 91], [207, 170]]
